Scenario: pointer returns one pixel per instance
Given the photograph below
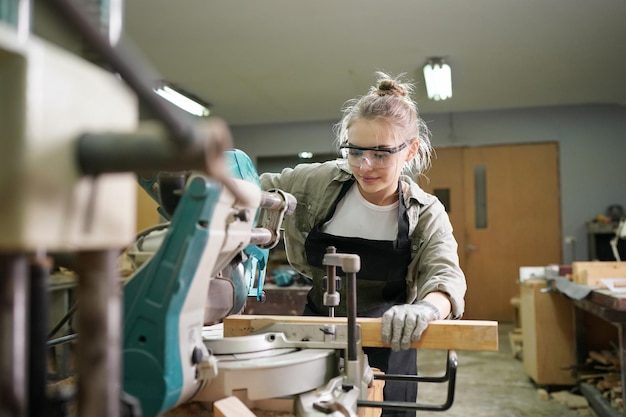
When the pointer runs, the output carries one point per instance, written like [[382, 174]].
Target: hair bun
[[392, 88]]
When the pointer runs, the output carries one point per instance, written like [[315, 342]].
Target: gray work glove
[[403, 324]]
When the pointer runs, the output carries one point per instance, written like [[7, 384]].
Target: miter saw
[[197, 275]]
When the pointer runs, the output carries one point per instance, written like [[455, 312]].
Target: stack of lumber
[[602, 370]]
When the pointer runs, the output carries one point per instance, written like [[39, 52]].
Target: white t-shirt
[[357, 217]]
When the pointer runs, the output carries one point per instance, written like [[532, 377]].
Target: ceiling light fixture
[[305, 155], [438, 77], [183, 100]]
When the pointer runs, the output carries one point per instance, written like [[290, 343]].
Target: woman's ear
[[413, 147]]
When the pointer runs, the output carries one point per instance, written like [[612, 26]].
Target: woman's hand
[[405, 323]]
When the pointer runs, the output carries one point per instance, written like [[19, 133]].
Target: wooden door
[[504, 205], [445, 180], [146, 214], [521, 224]]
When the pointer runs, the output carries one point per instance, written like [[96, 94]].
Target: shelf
[[597, 227], [599, 236]]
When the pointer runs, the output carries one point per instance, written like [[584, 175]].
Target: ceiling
[[276, 61]]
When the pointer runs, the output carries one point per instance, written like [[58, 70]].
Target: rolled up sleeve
[[435, 263]]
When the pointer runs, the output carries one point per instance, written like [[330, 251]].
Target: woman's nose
[[363, 165]]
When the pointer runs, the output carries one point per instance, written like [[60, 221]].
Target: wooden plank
[[231, 407], [590, 273], [440, 334]]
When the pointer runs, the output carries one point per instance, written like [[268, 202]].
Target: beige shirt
[[434, 259]]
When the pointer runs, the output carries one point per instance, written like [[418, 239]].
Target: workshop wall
[[592, 145]]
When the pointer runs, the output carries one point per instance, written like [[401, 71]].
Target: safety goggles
[[376, 157]]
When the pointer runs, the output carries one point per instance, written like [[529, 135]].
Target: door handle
[[470, 248]]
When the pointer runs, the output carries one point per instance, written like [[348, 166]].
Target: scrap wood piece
[[594, 375], [612, 357], [604, 385], [231, 407], [570, 400], [602, 357], [440, 334]]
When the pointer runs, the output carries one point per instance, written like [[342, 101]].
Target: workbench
[[559, 332], [610, 307]]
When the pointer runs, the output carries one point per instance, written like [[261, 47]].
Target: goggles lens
[[376, 157]]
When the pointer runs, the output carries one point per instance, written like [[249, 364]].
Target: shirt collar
[[414, 192]]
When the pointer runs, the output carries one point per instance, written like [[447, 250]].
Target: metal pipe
[[99, 323], [149, 152], [331, 284], [351, 264], [277, 200], [13, 337], [598, 403], [260, 236], [271, 201], [351, 313], [68, 315], [621, 334], [61, 340], [129, 152]]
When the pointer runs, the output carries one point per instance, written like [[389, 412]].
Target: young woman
[[367, 203]]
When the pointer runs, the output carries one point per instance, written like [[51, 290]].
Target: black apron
[[381, 283]]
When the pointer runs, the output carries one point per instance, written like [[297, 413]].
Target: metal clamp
[[449, 376]]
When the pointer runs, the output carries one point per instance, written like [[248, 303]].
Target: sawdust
[[204, 410], [190, 410]]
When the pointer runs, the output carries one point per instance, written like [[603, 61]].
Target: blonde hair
[[389, 100]]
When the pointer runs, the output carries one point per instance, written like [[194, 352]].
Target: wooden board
[[590, 273], [441, 334]]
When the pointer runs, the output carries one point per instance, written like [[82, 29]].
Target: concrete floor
[[489, 384]]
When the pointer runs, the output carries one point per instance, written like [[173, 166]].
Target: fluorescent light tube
[[438, 77], [182, 101]]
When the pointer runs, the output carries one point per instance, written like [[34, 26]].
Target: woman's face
[[377, 173]]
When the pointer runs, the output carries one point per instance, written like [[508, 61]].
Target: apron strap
[[344, 190], [402, 239]]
